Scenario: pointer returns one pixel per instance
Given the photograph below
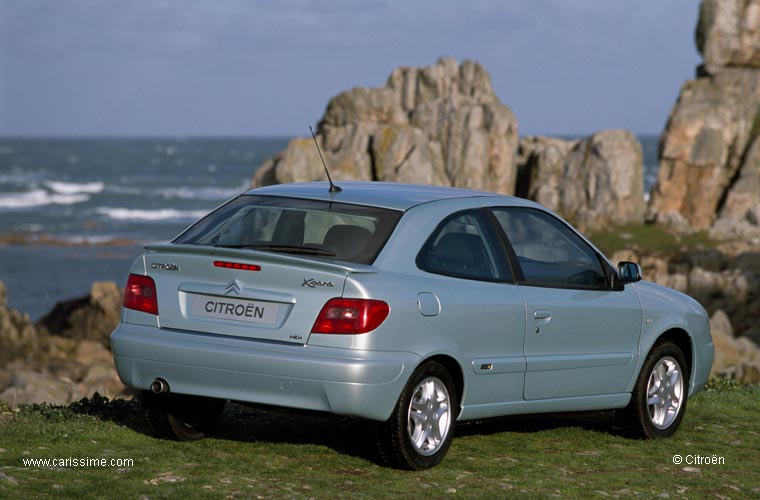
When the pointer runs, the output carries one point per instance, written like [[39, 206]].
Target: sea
[[95, 202]]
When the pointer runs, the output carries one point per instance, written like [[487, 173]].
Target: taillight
[[348, 316], [140, 294]]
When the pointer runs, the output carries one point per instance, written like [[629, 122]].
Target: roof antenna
[[333, 187]]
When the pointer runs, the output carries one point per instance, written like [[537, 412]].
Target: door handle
[[542, 314]]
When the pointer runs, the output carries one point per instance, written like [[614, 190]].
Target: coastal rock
[[360, 105], [541, 169], [440, 125], [604, 181], [403, 154], [19, 338], [710, 152], [71, 363], [443, 125], [91, 317], [739, 216], [753, 216], [705, 144], [721, 323], [29, 386], [298, 163], [728, 33], [415, 86], [596, 182], [737, 358]]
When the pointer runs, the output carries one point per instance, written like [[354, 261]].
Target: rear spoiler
[[262, 256]]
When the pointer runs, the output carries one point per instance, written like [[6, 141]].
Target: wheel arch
[[455, 370], [683, 341]]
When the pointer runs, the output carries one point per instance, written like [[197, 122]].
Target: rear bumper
[[341, 381]]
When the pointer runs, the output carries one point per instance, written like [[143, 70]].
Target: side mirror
[[629, 272]]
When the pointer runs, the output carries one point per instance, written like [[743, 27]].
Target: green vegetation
[[649, 239], [261, 454]]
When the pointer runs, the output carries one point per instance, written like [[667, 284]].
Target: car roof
[[391, 195]]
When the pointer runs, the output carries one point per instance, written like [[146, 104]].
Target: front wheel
[[658, 401], [421, 427]]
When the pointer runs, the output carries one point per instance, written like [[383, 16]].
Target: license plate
[[247, 311]]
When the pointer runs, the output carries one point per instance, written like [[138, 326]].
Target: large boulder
[[604, 180], [19, 337], [737, 358], [709, 152], [73, 362], [93, 316], [728, 33], [541, 169], [705, 144], [440, 125], [597, 181], [443, 125]]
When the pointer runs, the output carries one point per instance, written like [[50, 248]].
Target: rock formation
[[594, 181], [440, 124], [91, 317], [728, 33], [444, 125], [37, 365], [737, 358], [710, 152], [19, 338]]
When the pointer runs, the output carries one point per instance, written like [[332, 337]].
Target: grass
[[649, 239], [261, 454]]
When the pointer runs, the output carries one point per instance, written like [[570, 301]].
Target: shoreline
[[33, 239]]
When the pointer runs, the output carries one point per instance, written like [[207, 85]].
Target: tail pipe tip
[[159, 386]]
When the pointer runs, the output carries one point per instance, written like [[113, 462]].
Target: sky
[[269, 68]]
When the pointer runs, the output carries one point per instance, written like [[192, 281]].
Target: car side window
[[549, 252], [463, 247]]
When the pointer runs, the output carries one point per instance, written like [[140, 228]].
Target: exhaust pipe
[[159, 386]]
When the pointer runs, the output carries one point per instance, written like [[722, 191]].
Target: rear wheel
[[420, 430], [658, 401], [180, 417]]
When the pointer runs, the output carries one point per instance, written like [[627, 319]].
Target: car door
[[471, 295], [582, 336]]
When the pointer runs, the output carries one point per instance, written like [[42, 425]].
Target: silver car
[[415, 307]]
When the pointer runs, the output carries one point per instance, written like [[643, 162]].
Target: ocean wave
[[119, 189], [75, 188], [90, 240], [21, 177], [38, 198], [150, 215], [202, 193]]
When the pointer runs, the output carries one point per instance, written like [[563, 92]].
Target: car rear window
[[327, 230]]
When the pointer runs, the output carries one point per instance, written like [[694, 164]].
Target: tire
[[419, 432], [658, 401], [180, 417]]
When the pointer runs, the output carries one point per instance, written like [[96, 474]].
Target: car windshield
[[322, 229]]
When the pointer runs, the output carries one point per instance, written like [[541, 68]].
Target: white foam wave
[[39, 197], [89, 240], [150, 215], [75, 188]]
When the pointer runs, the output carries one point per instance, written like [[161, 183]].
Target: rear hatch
[[243, 293]]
